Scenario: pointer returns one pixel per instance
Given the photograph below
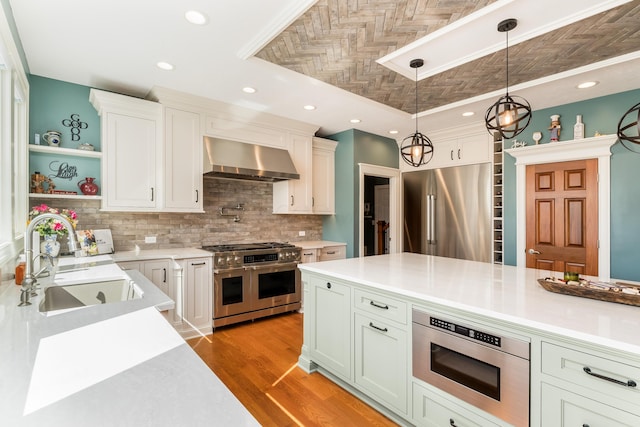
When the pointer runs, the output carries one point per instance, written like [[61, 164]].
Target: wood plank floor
[[258, 362]]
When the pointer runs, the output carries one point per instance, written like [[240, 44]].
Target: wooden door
[[562, 216]]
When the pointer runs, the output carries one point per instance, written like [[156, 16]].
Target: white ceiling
[[114, 45]]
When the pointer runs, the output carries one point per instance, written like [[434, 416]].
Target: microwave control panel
[[466, 332]]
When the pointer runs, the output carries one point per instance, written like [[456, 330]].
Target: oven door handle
[[276, 267]]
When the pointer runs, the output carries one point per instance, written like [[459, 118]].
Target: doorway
[[388, 182], [376, 215]]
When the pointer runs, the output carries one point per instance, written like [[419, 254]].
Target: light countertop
[[507, 293], [104, 365], [317, 244], [148, 254]]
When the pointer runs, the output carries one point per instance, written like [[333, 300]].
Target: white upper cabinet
[[152, 162], [294, 196], [132, 146], [324, 178], [183, 161]]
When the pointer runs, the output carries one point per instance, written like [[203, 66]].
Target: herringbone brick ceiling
[[339, 41]]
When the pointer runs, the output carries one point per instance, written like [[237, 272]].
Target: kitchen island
[[104, 365], [565, 333]]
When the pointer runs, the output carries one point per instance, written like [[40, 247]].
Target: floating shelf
[[63, 196], [64, 151]]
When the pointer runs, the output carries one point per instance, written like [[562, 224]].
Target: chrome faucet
[[30, 279]]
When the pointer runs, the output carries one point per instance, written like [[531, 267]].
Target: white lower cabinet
[[197, 296], [431, 409], [562, 408], [330, 337], [161, 274], [329, 253], [380, 360]]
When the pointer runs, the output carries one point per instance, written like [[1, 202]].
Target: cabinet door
[[183, 161], [323, 184], [295, 195], [331, 337], [159, 273], [565, 409], [130, 147], [197, 293], [381, 360], [473, 149]]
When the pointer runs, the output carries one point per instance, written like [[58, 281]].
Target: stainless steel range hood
[[238, 160]]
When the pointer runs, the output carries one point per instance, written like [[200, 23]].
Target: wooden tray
[[599, 294]]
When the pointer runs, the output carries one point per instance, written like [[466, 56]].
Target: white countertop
[[317, 244], [507, 293], [148, 254], [118, 364]]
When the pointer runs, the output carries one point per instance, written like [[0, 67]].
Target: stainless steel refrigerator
[[447, 212]]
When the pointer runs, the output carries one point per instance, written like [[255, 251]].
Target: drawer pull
[[629, 383], [309, 254], [378, 328], [331, 252], [198, 263], [384, 307], [328, 285], [585, 425], [452, 423]]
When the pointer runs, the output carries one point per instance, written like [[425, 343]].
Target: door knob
[[534, 252]]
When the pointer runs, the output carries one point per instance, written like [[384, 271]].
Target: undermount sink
[[86, 294]]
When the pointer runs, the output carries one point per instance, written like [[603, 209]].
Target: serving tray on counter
[[585, 291]]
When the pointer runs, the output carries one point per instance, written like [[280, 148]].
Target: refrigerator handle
[[431, 219]]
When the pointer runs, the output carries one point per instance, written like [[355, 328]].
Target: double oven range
[[252, 280]]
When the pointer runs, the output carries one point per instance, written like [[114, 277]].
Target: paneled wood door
[[562, 216]]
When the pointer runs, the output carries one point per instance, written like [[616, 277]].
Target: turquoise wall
[[354, 146], [52, 102], [602, 115]]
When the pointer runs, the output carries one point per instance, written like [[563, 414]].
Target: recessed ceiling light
[[355, 120], [393, 132], [468, 114], [309, 107], [195, 17], [165, 66], [248, 90], [586, 85]]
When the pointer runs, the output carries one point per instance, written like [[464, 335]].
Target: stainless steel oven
[[252, 280], [477, 365]]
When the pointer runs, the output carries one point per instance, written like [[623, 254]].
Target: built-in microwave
[[481, 367]]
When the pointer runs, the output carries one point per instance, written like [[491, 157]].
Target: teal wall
[[51, 102], [354, 147], [602, 115]]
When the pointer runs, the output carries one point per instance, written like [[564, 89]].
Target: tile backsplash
[[177, 230]]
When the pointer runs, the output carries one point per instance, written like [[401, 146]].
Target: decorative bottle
[[578, 128]]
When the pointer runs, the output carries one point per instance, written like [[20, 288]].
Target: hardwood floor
[[258, 362]]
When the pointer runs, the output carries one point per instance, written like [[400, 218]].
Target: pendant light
[[510, 115], [416, 149], [629, 127]]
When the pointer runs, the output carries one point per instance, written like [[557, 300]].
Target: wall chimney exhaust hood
[[239, 160]]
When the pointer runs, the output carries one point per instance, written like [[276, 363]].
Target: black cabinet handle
[[165, 275], [384, 307], [198, 263], [328, 285], [331, 253], [585, 425], [152, 194], [452, 423], [451, 154], [629, 383], [378, 328], [292, 200], [197, 196]]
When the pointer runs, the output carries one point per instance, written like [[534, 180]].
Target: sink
[[86, 294]]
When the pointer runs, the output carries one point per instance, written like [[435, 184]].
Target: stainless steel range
[[252, 280]]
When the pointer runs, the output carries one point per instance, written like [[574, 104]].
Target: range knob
[[238, 260]]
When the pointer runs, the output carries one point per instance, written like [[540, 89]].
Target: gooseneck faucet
[[30, 280]]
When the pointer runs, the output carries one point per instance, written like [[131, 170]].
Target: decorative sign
[[75, 124], [63, 170]]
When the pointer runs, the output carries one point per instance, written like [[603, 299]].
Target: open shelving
[[497, 200]]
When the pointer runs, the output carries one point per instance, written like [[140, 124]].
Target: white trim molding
[[599, 148]]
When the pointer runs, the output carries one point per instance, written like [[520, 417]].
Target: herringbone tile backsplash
[[178, 230]]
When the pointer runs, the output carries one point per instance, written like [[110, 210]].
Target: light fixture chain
[[507, 62]]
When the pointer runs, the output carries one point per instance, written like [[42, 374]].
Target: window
[[14, 107]]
